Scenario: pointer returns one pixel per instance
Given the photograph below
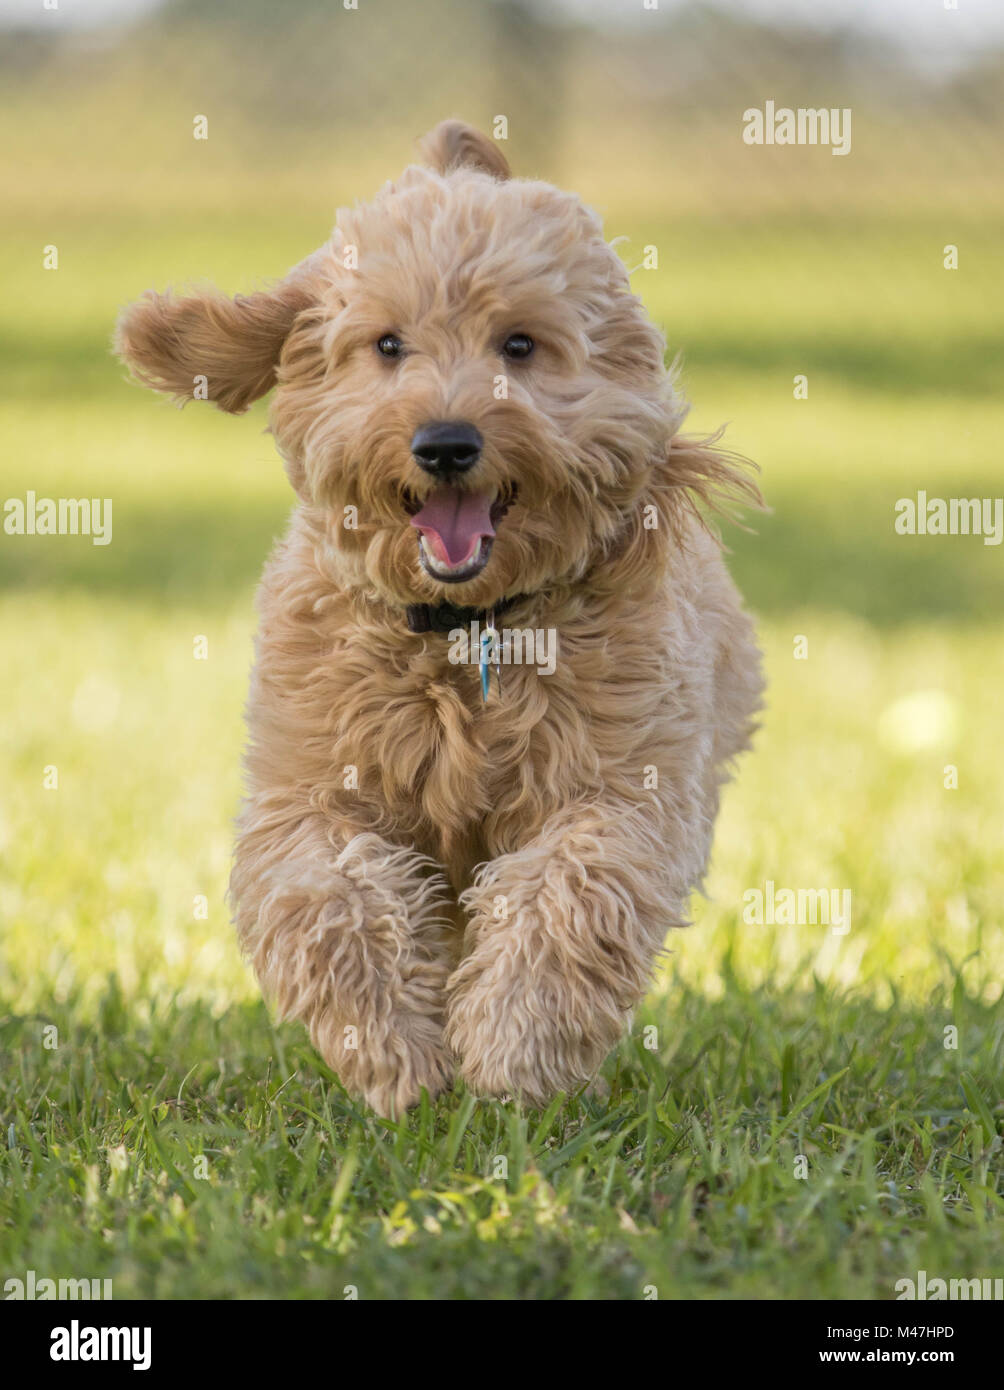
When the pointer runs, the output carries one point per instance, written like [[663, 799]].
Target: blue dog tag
[[489, 645]]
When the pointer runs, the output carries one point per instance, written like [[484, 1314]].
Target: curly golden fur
[[428, 882]]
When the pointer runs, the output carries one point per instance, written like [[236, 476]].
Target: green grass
[[678, 1168], [680, 1176]]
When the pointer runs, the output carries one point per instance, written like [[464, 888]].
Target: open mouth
[[456, 531]]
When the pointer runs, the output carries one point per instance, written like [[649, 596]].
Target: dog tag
[[489, 639]]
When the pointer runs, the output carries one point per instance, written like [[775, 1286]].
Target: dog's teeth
[[437, 566]]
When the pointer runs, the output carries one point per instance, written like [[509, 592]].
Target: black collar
[[444, 617]]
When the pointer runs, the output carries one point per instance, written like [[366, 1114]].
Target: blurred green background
[[772, 262]]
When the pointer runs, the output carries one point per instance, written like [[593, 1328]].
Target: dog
[[471, 865]]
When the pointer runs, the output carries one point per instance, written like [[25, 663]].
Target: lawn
[[796, 1112]]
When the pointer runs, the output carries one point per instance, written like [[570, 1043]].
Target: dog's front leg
[[560, 946], [346, 934]]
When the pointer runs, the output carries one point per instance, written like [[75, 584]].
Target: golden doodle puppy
[[501, 668]]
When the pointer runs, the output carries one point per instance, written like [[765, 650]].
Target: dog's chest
[[420, 743]]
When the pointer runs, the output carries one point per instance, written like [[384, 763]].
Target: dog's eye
[[518, 346], [390, 345]]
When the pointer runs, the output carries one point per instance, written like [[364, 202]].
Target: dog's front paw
[[354, 946], [387, 1066], [527, 1028]]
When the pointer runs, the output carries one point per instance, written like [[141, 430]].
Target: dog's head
[[468, 395]]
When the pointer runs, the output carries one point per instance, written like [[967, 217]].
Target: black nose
[[446, 446]]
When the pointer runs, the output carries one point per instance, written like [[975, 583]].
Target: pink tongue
[[453, 522]]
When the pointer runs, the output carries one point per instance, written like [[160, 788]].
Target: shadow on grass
[[156, 553], [844, 553], [75, 366], [839, 553], [968, 368]]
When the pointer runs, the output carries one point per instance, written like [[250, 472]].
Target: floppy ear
[[694, 478], [169, 342], [454, 145], [701, 477]]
